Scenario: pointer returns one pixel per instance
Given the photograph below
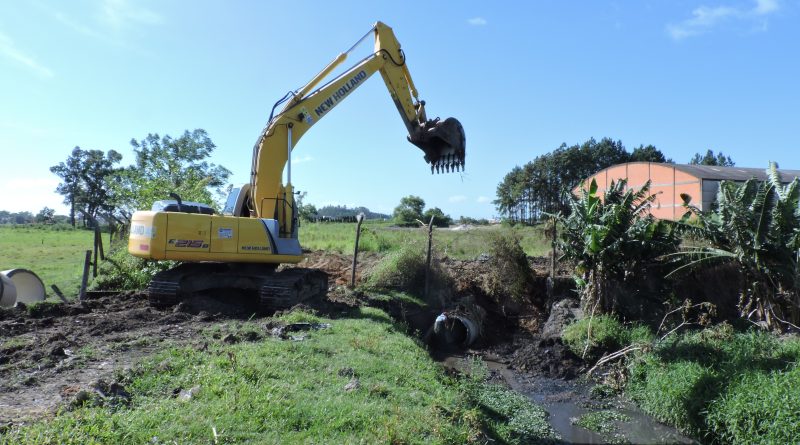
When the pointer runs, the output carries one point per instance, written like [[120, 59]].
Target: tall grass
[[723, 386]]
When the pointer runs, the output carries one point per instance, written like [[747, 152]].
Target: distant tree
[[70, 173], [22, 217], [84, 176], [439, 218], [164, 165], [544, 185], [46, 216], [648, 153], [710, 158], [307, 212], [409, 210], [336, 212], [99, 169]]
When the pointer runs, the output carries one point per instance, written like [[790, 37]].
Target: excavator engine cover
[[444, 144]]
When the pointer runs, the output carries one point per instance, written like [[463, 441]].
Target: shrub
[[613, 240], [510, 275], [607, 335], [404, 270], [755, 225], [400, 270], [123, 271]]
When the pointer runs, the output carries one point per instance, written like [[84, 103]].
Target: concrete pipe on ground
[[8, 292], [456, 330], [29, 287]]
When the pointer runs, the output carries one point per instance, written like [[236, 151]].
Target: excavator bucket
[[444, 144]]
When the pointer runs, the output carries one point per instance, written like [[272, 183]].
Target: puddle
[[565, 400]]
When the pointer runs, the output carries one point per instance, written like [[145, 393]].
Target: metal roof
[[734, 173]]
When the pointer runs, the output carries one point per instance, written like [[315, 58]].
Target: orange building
[[668, 181]]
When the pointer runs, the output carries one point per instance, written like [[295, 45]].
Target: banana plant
[[756, 225], [611, 239]]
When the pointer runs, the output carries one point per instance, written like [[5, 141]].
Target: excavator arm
[[442, 142]]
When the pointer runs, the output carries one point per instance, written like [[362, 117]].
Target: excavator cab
[[444, 144]]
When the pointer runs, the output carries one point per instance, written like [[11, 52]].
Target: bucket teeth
[[447, 164]]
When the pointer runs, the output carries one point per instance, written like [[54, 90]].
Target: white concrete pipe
[[29, 288], [456, 329], [8, 292]]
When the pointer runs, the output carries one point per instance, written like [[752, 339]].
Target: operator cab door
[[188, 232]]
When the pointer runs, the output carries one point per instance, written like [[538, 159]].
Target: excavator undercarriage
[[274, 289]]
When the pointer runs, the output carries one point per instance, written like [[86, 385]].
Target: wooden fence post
[[99, 236], [85, 279], [553, 259], [428, 258], [359, 220]]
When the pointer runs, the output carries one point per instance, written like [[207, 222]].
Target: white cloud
[[301, 159], [457, 198], [10, 51], [119, 14], [703, 19], [483, 199], [477, 21], [112, 23], [765, 6]]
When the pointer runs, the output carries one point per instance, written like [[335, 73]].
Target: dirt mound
[[339, 267], [546, 358]]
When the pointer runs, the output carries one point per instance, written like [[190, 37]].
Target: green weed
[[727, 386], [607, 335]]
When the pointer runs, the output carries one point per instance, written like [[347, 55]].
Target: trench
[[566, 400]]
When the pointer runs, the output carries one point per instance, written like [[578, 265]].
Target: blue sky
[[522, 77]]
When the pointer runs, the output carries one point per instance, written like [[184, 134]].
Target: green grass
[[723, 386], [56, 256], [381, 236], [282, 391], [608, 335]]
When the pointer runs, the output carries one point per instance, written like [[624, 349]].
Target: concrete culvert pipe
[[455, 330], [30, 288], [8, 292]]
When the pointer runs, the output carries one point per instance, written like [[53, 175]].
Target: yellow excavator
[[241, 249]]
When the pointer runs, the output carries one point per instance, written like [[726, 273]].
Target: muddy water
[[567, 400]]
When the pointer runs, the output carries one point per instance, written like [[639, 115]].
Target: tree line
[[95, 186], [543, 186]]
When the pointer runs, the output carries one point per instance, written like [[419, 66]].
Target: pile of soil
[[340, 267]]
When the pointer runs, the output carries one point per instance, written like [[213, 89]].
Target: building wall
[[666, 182]]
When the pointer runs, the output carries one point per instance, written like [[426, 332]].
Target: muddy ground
[[48, 356]]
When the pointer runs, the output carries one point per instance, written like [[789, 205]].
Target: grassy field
[[55, 256], [285, 391], [379, 236]]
